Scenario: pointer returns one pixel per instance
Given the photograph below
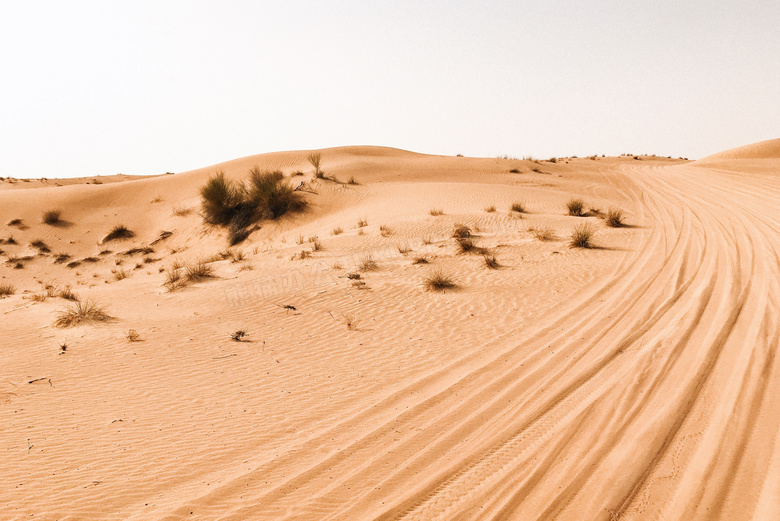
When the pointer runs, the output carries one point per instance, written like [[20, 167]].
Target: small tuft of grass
[[173, 278], [315, 158], [461, 231], [52, 217], [518, 207], [436, 212], [467, 245], [490, 209], [81, 313], [582, 236], [362, 223], [491, 261], [61, 258], [7, 289], [403, 249], [198, 271], [238, 336], [120, 274], [352, 181], [514, 171], [180, 210], [353, 276], [575, 207], [133, 336], [350, 322], [17, 223], [385, 231], [367, 263], [119, 232], [41, 246], [68, 294], [543, 234], [236, 255], [420, 260], [437, 281], [300, 239], [337, 230], [316, 245], [615, 218]]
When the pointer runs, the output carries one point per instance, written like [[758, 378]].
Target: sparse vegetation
[[514, 171], [16, 223], [575, 207], [436, 212], [362, 223], [120, 274], [490, 209], [582, 236], [270, 196], [467, 245], [615, 218], [350, 322], [61, 258], [133, 336], [119, 232], [385, 230], [518, 207], [403, 249], [337, 230], [316, 245], [352, 181], [353, 276], [68, 294], [221, 200], [420, 260], [7, 289], [52, 217], [437, 281], [198, 271], [181, 211], [173, 278], [81, 313]]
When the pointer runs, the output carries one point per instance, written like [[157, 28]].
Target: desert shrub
[[575, 207], [7, 289], [461, 231], [385, 230], [337, 230], [352, 181], [221, 199], [270, 196], [420, 260], [518, 207], [403, 249], [238, 336], [180, 211], [81, 313], [362, 223], [437, 281], [52, 217], [120, 274], [436, 212], [615, 218], [133, 336], [582, 236], [353, 276], [73, 264], [16, 223], [514, 171], [237, 234], [173, 279], [467, 245], [61, 258], [119, 232], [490, 209], [316, 245]]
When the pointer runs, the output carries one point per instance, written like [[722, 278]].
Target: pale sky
[[94, 88]]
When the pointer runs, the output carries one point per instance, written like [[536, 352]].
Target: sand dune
[[634, 380]]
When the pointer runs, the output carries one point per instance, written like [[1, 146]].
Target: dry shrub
[[575, 207], [119, 232], [615, 218], [582, 236], [437, 281], [81, 313]]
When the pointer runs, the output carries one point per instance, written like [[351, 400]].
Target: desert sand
[[637, 379]]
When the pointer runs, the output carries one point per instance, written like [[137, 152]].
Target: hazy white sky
[[89, 88]]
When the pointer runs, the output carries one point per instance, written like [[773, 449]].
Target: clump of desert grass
[[120, 274], [467, 245], [52, 217], [576, 207], [367, 263], [543, 234], [491, 262], [385, 230], [352, 181], [437, 280], [68, 294], [198, 271], [615, 218], [420, 260], [403, 249], [119, 232], [461, 231], [180, 210], [316, 245], [41, 246], [582, 236], [337, 230], [436, 212], [490, 209], [61, 258], [7, 289], [362, 223], [133, 336], [81, 313], [518, 207]]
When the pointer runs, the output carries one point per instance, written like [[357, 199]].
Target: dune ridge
[[634, 380]]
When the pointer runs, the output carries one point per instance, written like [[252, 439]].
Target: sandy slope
[[633, 381]]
